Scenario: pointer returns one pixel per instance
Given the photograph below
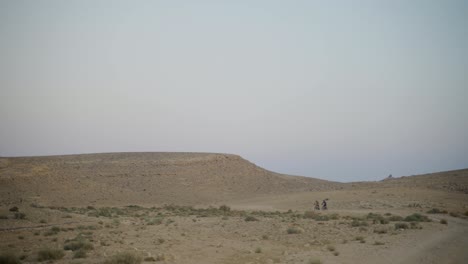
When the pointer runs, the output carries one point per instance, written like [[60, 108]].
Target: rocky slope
[[143, 178]]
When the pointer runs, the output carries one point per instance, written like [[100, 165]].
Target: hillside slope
[[449, 181], [143, 178]]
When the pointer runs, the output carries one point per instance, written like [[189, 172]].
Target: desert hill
[[58, 203], [143, 178], [450, 181]]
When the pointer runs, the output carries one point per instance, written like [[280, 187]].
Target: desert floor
[[362, 225]]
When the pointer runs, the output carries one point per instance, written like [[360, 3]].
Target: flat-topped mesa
[[148, 178]]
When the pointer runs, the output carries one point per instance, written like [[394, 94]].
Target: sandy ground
[[98, 201], [184, 235]]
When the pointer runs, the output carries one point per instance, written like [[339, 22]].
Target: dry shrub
[[50, 254], [123, 258]]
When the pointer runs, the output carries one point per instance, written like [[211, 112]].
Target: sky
[[338, 90]]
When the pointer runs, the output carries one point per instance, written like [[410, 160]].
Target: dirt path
[[41, 226], [448, 246]]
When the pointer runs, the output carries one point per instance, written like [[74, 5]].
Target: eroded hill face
[[143, 178]]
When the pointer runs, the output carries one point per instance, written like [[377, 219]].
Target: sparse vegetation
[[443, 221], [2, 216], [334, 216], [79, 244], [123, 258], [417, 218], [315, 261], [395, 218], [377, 218], [160, 257], [310, 215], [401, 226], [218, 232], [19, 215], [381, 230], [225, 208], [437, 211], [53, 231], [454, 214], [9, 258], [50, 254], [322, 218], [357, 223], [155, 221], [319, 217], [360, 239], [250, 218], [80, 254], [294, 230]]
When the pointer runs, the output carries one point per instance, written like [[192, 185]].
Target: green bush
[[417, 218], [50, 254], [123, 258]]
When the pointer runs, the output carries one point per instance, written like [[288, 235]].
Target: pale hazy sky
[[339, 90]]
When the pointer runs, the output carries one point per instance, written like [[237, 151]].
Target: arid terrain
[[221, 208]]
